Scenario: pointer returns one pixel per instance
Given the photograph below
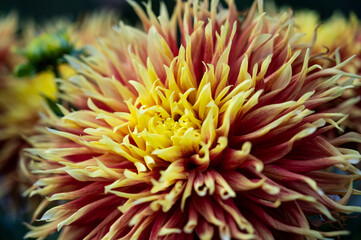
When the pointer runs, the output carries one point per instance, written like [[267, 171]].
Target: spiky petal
[[337, 46]]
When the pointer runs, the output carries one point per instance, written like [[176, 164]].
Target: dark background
[[42, 10]]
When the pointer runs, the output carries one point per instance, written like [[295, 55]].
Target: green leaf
[[53, 106], [24, 70]]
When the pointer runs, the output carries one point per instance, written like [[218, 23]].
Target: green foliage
[[53, 106], [24, 70], [45, 52], [48, 47]]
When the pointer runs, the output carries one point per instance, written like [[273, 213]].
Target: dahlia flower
[[209, 134]]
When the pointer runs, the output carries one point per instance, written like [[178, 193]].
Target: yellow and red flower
[[214, 136]]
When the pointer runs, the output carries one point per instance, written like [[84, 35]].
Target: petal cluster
[[212, 133], [341, 45]]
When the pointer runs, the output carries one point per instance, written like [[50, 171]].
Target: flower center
[[169, 136], [174, 129]]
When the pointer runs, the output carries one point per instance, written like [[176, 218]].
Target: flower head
[[214, 136]]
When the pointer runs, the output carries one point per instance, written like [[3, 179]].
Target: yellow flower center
[[168, 134], [173, 129]]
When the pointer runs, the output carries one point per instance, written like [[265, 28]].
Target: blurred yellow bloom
[[23, 98], [336, 33], [66, 71], [37, 58]]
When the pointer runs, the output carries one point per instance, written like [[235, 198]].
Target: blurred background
[[43, 10]]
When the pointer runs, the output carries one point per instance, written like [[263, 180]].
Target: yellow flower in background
[[24, 100], [29, 65], [212, 136], [9, 138], [336, 33], [20, 102]]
